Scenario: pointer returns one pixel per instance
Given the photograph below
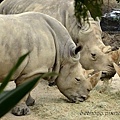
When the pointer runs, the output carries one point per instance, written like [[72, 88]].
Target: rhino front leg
[[30, 101], [22, 108]]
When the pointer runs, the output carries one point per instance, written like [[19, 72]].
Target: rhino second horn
[[117, 68], [78, 49]]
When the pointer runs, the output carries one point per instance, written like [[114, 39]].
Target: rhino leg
[[21, 109], [30, 101], [52, 84]]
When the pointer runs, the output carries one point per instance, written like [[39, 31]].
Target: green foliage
[[8, 99], [118, 1], [82, 6], [93, 6]]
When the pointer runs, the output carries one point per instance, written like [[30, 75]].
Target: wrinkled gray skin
[[87, 35], [52, 49]]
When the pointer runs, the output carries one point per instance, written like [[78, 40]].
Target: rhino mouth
[[76, 99], [107, 74]]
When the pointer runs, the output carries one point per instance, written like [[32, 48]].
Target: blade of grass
[[4, 93], [12, 71], [11, 98]]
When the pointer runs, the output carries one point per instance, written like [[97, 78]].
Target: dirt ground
[[52, 105]]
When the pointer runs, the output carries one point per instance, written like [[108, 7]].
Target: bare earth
[[52, 105]]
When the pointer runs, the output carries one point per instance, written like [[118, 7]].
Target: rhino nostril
[[84, 97], [103, 75], [114, 48]]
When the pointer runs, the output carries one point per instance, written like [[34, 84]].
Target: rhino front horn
[[95, 78], [117, 68]]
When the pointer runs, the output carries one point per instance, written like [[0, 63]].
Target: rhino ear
[[77, 49], [117, 68], [95, 78], [97, 19]]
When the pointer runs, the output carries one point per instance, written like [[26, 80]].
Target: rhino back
[[20, 34], [46, 38], [51, 7]]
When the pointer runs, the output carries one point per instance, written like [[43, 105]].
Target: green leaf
[[118, 1], [3, 94], [12, 71], [94, 6], [82, 6], [9, 99]]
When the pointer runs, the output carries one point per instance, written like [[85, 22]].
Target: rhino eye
[[78, 79], [88, 90]]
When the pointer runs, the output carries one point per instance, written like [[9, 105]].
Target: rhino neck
[[73, 28], [62, 40]]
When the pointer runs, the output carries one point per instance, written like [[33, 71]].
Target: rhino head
[[73, 83], [94, 55], [94, 58]]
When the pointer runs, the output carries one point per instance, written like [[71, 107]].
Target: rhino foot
[[52, 84], [20, 110], [30, 101]]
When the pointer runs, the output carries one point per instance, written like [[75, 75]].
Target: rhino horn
[[117, 68], [95, 78], [115, 55]]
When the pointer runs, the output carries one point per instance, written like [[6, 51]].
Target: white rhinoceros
[[52, 49], [88, 35]]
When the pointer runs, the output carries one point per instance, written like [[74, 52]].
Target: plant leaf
[[83, 6]]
